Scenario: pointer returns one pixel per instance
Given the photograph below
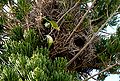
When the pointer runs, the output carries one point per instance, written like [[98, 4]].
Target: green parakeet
[[49, 40], [52, 23]]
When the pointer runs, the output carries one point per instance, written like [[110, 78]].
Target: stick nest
[[87, 60]]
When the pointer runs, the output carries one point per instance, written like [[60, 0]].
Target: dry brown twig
[[39, 4], [109, 67], [95, 34]]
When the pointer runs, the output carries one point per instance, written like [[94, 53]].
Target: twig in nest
[[97, 19], [68, 11]]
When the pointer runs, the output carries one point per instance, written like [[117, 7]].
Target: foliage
[[31, 62], [108, 50], [2, 38], [17, 33], [36, 68], [22, 9]]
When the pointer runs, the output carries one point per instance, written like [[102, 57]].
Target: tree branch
[[95, 34], [80, 21], [101, 72]]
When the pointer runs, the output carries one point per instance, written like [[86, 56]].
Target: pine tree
[[26, 56]]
